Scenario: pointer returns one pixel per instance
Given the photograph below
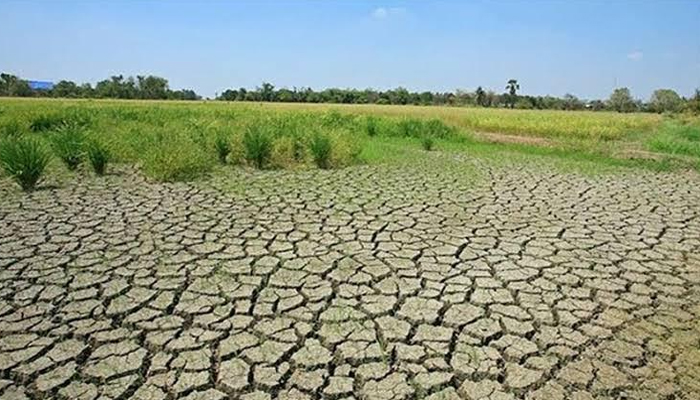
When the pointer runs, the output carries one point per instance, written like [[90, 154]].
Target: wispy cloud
[[635, 55], [384, 12]]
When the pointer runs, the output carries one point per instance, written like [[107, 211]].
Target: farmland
[[211, 250]]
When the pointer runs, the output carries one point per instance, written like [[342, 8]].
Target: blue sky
[[552, 47]]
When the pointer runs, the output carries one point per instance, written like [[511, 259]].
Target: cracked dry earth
[[368, 282]]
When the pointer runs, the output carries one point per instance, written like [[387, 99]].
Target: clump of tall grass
[[321, 148], [371, 126], [98, 155], [55, 120], [427, 142], [68, 143], [222, 145], [11, 129], [24, 160], [176, 159], [285, 152], [257, 144]]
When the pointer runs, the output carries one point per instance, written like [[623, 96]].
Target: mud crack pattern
[[368, 282]]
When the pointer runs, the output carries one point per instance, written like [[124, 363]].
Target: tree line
[[621, 100], [154, 87], [116, 87]]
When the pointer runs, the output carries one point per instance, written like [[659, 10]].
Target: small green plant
[[321, 148], [258, 146], [223, 147], [24, 160], [98, 155], [427, 142], [371, 126], [68, 144]]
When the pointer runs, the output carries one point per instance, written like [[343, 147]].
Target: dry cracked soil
[[370, 282]]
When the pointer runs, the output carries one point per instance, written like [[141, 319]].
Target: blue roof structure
[[40, 85]]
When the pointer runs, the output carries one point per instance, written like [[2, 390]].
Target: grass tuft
[[24, 160], [68, 143], [98, 155], [427, 142], [321, 148], [223, 147], [257, 145]]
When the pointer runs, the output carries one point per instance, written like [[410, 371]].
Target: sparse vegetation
[[222, 145], [69, 145], [98, 155], [321, 148], [23, 159], [258, 146]]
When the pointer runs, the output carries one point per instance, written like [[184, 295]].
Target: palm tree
[[480, 96], [512, 87]]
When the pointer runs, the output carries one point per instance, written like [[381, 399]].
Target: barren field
[[447, 277]]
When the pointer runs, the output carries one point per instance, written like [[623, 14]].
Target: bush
[[427, 142], [257, 145], [321, 148], [98, 155], [24, 160], [222, 147], [68, 144]]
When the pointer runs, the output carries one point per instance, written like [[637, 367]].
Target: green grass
[[677, 139], [172, 141], [24, 160]]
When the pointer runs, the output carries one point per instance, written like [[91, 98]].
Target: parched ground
[[368, 282]]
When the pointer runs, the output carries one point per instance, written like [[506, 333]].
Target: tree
[[480, 97], [621, 100], [665, 100], [267, 92], [11, 85], [512, 87], [694, 103]]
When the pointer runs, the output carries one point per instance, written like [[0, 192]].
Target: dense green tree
[[621, 100], [665, 100]]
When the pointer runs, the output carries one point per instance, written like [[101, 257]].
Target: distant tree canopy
[[153, 87], [116, 87]]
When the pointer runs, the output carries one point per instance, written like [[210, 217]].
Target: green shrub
[[223, 147], [321, 148], [98, 155], [69, 144], [427, 142], [258, 146], [24, 160]]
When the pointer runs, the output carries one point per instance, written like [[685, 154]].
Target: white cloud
[[635, 55], [383, 12]]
